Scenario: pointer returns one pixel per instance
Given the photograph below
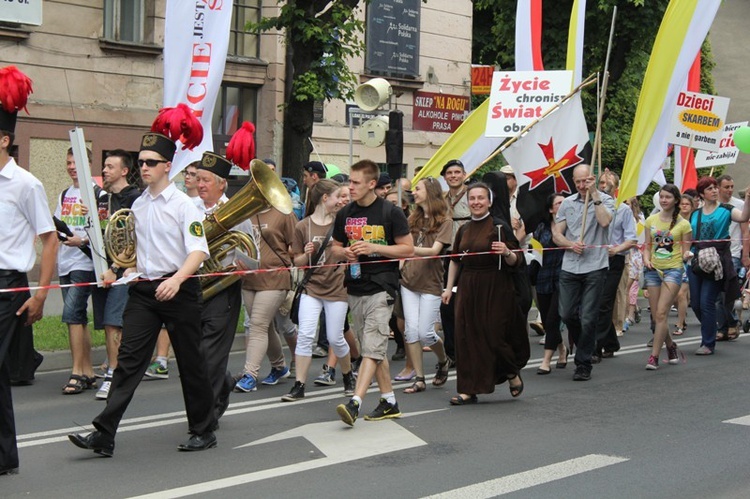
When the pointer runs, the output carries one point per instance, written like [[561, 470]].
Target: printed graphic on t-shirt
[[317, 241], [664, 243], [357, 229], [72, 212], [709, 229]]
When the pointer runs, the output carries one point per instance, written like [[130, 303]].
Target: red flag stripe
[[536, 34], [689, 173]]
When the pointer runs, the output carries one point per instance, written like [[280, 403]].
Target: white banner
[[21, 11], [517, 98], [727, 153], [698, 121], [196, 39]]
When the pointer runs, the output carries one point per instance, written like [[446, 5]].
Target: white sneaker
[[103, 392]]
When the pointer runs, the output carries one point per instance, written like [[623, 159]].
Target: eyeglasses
[[149, 162]]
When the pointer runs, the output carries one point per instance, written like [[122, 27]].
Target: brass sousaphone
[[262, 191]]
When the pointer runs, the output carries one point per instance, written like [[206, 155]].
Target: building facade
[[98, 65]]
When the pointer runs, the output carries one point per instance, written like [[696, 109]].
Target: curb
[[61, 360]]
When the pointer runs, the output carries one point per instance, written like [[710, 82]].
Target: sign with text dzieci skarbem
[[698, 121], [518, 98]]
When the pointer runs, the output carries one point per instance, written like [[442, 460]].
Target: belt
[[10, 273]]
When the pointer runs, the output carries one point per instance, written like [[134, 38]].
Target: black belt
[[10, 273]]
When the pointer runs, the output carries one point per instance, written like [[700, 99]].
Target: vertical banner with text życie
[[196, 38]]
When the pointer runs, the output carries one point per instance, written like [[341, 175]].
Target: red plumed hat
[[179, 123], [15, 88], [241, 148]]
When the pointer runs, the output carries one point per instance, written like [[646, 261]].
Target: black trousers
[[549, 311], [10, 326], [606, 335], [219, 323], [141, 322]]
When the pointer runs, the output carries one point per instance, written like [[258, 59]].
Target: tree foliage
[[635, 31], [321, 39]]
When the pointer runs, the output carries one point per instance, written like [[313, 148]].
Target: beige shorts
[[370, 316]]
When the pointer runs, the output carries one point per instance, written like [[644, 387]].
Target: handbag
[[294, 309]]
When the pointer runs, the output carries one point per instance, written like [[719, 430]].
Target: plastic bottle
[[355, 270]]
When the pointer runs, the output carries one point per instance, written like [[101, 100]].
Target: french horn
[[119, 238]]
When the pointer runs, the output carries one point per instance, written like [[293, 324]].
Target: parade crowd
[[445, 266]]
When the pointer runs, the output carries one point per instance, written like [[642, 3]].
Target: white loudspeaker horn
[[372, 131], [372, 94]]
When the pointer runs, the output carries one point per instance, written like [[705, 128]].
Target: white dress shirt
[[168, 228], [24, 214]]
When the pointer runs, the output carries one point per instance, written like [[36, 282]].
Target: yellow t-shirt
[[666, 250]]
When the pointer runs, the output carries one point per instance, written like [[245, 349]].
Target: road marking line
[[531, 478], [367, 440], [169, 418], [743, 420]]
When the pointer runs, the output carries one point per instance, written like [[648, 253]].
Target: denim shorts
[[75, 298], [654, 278], [115, 299]]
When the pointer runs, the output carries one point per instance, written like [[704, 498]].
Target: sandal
[[418, 386], [733, 334], [441, 376], [460, 400], [517, 390], [77, 383]]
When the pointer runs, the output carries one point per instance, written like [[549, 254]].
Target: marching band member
[[25, 214], [171, 247]]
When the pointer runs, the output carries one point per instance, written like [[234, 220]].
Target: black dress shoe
[[96, 441], [581, 374], [199, 442], [9, 471], [595, 359]]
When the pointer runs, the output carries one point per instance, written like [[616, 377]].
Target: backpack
[[293, 189]]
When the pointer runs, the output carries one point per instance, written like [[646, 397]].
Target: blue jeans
[[726, 317], [703, 293], [581, 291]]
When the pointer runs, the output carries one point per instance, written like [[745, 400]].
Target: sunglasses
[[149, 162]]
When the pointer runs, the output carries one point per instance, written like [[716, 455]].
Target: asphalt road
[[626, 433]]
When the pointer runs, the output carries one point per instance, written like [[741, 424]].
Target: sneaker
[[327, 377], [103, 392], [384, 410], [626, 325], [348, 412], [399, 354], [637, 315], [652, 364], [350, 383], [704, 350], [674, 354], [319, 352], [296, 393], [246, 384], [356, 363], [292, 367], [275, 375], [101, 371], [157, 371], [581, 374], [650, 343]]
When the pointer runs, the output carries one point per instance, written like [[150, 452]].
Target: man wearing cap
[[312, 172], [171, 247], [454, 174], [384, 185], [25, 215], [221, 312]]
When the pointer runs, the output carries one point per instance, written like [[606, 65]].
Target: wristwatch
[[114, 268], [597, 203]]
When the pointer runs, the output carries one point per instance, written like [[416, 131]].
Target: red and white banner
[[196, 39], [529, 36]]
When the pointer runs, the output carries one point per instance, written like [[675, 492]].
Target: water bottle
[[743, 273], [355, 270]]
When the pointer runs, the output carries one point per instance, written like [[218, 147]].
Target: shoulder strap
[[62, 195], [316, 258]]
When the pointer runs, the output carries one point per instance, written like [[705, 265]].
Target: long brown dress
[[491, 339]]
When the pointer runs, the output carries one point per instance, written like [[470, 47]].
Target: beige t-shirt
[[326, 283], [426, 275], [273, 232]]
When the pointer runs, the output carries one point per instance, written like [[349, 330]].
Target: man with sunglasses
[[171, 247]]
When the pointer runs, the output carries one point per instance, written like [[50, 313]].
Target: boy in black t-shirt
[[367, 231]]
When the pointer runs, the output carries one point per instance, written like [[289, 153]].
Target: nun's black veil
[[500, 209]]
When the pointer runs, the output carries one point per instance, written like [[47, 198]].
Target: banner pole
[[588, 81]]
